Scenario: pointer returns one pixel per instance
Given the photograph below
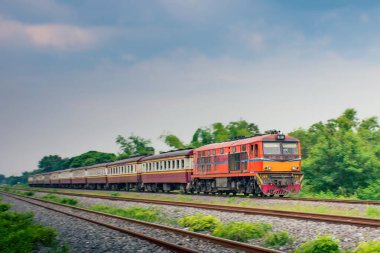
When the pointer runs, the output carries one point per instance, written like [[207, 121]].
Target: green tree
[[91, 158], [2, 179], [50, 163], [133, 145], [217, 132]]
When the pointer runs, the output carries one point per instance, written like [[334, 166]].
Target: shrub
[[150, 214], [325, 244], [4, 207], [277, 239], [241, 231], [19, 231], [368, 247], [372, 192], [199, 222], [115, 194], [372, 212]]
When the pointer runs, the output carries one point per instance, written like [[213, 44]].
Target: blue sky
[[75, 74]]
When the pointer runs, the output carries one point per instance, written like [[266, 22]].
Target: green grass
[[325, 244], [368, 247], [199, 222], [58, 199], [150, 214], [277, 239], [372, 212], [115, 194], [242, 231]]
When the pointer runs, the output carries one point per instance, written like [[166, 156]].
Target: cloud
[[52, 36]]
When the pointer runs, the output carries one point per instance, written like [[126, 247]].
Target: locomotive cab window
[[290, 148], [272, 148]]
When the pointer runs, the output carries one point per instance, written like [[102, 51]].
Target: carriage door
[[234, 161]]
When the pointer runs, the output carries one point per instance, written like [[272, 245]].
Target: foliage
[[373, 212], [19, 230], [325, 244], [341, 153], [62, 200], [91, 158], [50, 163], [241, 231], [199, 222], [150, 214], [4, 207], [371, 192], [277, 239], [134, 145], [115, 194], [217, 132], [368, 247]]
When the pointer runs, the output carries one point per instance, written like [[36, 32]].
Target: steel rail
[[221, 241], [339, 219], [345, 201]]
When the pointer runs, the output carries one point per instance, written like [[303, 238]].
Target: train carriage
[[54, 179], [65, 178], [124, 174], [261, 165], [46, 179], [96, 176], [167, 171], [78, 178]]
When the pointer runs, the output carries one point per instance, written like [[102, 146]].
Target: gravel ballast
[[300, 230], [106, 241]]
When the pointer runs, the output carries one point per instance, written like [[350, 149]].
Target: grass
[[150, 214], [277, 239], [242, 231], [199, 222], [62, 200], [372, 212], [325, 244]]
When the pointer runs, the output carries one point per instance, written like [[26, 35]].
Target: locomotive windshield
[[280, 148]]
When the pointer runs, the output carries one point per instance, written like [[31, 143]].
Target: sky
[[75, 74]]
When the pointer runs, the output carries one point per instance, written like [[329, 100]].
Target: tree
[[217, 132], [91, 158], [133, 145], [2, 179], [50, 163], [340, 155]]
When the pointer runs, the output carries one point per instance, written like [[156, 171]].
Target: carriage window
[[243, 148], [272, 148], [182, 164], [213, 152], [221, 151], [233, 149]]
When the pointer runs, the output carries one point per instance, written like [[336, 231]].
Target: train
[[260, 165]]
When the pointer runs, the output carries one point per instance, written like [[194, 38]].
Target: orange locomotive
[[260, 165]]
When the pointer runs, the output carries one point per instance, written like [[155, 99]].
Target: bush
[[18, 233], [199, 222], [4, 207], [325, 244], [115, 194], [368, 247], [277, 239], [372, 212], [150, 214], [241, 231], [371, 192]]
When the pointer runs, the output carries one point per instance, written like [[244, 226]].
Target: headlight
[[268, 168], [294, 167]]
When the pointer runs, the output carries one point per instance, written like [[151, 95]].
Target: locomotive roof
[[182, 152], [266, 137]]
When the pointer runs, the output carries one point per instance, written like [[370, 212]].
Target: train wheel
[[281, 196], [272, 195]]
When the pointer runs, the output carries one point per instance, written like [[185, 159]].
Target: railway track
[[164, 229], [345, 201], [357, 221]]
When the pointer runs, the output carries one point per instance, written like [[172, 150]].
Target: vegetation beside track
[[20, 234]]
